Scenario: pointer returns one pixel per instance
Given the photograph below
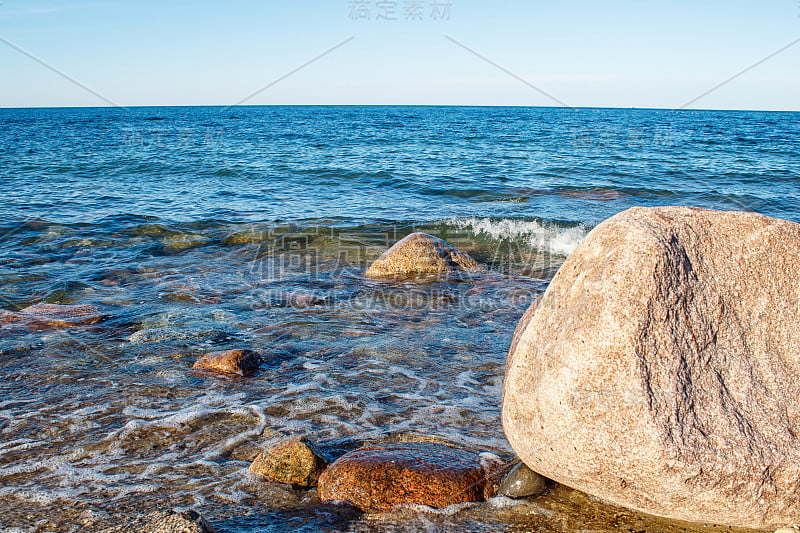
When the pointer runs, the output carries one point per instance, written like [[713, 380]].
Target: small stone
[[295, 461], [420, 254], [522, 482], [188, 521], [377, 478], [242, 362]]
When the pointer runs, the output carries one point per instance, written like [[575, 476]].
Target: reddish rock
[[54, 315], [420, 254], [295, 461], [376, 478], [242, 362]]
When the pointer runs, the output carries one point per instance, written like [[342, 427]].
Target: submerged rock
[[522, 482], [170, 334], [659, 369], [376, 478], [242, 362], [54, 315], [420, 254], [181, 242], [165, 522], [295, 461], [247, 450]]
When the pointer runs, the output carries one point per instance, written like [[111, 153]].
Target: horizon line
[[128, 107]]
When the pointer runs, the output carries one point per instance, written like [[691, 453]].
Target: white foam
[[549, 238], [235, 440], [502, 502], [208, 405], [16, 403], [141, 412], [142, 488], [35, 496], [235, 497], [489, 459], [450, 510], [311, 385], [18, 444], [157, 468]]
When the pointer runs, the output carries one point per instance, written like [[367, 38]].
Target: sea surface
[[207, 228]]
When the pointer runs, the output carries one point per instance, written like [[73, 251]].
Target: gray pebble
[[522, 482]]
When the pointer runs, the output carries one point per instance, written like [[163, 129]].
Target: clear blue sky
[[607, 54]]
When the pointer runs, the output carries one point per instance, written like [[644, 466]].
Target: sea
[[195, 229]]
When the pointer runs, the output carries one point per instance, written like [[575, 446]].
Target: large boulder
[[376, 478], [419, 255], [659, 371]]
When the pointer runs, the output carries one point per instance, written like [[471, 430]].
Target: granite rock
[[294, 461], [241, 362], [659, 371], [376, 478], [420, 255]]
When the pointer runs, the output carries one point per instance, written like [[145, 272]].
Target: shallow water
[[195, 230]]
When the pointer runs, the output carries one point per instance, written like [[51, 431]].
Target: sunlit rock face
[[659, 371]]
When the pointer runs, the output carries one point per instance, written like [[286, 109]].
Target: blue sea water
[[363, 164], [206, 228]]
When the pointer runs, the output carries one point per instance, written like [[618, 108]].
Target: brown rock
[[295, 461], [420, 254], [660, 369], [54, 315], [242, 362], [378, 477]]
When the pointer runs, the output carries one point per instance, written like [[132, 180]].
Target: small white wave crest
[[550, 238]]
